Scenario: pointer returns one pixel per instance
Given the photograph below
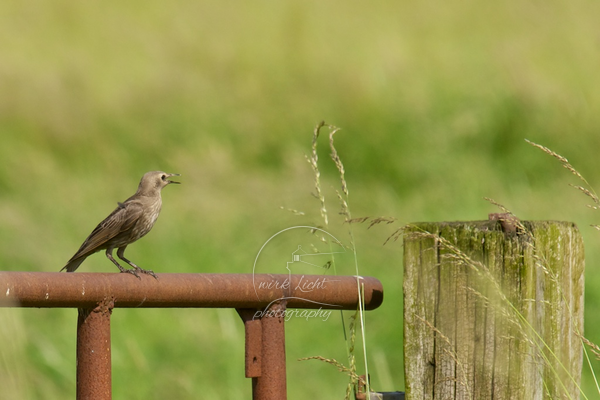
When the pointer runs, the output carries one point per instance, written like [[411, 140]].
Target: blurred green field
[[434, 101]]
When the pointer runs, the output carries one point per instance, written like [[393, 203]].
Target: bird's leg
[[121, 255], [110, 257]]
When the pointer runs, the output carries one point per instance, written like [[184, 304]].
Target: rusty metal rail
[[261, 301]]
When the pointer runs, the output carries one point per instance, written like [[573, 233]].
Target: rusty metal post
[[93, 352], [253, 342], [271, 385]]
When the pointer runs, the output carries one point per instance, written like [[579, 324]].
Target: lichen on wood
[[491, 314]]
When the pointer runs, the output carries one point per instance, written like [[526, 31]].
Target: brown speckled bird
[[131, 220]]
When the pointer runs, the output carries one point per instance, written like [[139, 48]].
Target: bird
[[131, 220]]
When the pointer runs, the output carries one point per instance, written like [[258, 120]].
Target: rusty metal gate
[[260, 300]]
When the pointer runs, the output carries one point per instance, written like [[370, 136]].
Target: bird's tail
[[72, 265]]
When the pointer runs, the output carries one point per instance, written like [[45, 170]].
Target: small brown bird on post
[[131, 220]]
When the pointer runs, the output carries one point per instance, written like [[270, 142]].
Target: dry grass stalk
[[397, 234], [357, 220], [565, 163], [341, 367], [351, 370], [374, 221], [313, 160], [590, 194], [336, 159], [354, 378], [293, 211], [345, 211], [594, 348], [382, 220]]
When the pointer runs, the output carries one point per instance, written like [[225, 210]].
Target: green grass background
[[435, 100]]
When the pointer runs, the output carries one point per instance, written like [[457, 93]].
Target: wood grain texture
[[493, 315]]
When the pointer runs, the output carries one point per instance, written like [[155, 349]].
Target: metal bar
[[93, 352], [253, 345], [85, 290], [271, 385], [261, 301]]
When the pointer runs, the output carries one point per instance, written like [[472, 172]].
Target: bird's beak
[[170, 181]]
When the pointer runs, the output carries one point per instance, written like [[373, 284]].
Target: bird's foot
[[147, 272], [135, 269], [133, 272]]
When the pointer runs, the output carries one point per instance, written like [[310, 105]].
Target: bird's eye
[[163, 177]]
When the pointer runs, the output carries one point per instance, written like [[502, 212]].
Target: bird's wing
[[120, 220]]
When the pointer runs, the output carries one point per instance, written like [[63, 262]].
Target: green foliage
[[434, 101]]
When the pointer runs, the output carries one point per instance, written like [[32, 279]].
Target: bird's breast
[[147, 219]]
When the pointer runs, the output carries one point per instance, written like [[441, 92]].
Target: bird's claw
[[131, 271], [148, 272]]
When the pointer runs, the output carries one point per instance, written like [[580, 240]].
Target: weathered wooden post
[[493, 309]]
